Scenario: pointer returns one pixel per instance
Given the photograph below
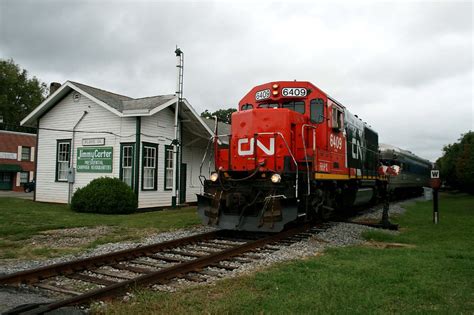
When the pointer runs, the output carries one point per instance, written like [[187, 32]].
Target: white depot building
[[85, 132]]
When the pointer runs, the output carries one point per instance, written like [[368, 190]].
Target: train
[[414, 171], [293, 154]]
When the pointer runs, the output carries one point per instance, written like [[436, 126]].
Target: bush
[[105, 195]]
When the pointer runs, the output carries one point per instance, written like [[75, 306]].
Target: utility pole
[[176, 142]]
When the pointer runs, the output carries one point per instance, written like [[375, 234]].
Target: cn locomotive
[[294, 153]]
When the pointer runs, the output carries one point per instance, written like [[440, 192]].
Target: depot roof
[[120, 105]]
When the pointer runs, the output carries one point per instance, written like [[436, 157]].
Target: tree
[[223, 115], [19, 95], [457, 163], [465, 163]]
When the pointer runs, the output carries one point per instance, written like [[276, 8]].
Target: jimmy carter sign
[[94, 160]]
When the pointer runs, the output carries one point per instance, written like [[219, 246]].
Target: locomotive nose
[[258, 138]]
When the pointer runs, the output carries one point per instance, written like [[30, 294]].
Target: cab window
[[297, 106], [271, 105], [317, 110], [246, 106], [336, 118]]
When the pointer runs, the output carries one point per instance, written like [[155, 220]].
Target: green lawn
[[21, 220], [434, 275]]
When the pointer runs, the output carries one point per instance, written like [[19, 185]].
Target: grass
[[22, 220], [434, 275]]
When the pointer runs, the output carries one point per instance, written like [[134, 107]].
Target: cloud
[[401, 66]]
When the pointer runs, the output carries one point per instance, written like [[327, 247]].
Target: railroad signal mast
[[175, 142]]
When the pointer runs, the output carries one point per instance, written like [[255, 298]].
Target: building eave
[[54, 98]]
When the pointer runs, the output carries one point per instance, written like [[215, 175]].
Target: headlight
[[214, 176], [276, 178]]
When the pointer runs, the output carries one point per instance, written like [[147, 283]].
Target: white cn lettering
[[270, 150], [356, 149]]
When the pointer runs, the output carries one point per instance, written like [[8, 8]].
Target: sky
[[404, 67]]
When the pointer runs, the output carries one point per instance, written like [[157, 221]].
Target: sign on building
[[8, 155], [94, 160], [93, 141]]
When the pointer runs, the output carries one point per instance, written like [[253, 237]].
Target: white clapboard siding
[[192, 157], [158, 129], [98, 123]]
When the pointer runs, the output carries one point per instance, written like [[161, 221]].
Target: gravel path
[[337, 235]]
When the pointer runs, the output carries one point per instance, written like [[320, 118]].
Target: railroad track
[[113, 274]]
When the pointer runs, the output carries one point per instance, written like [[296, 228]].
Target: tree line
[[457, 163], [19, 95]]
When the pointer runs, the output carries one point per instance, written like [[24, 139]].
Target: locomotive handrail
[[205, 154], [289, 151], [304, 150]]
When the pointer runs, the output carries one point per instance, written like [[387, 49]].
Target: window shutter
[[18, 177], [19, 154], [32, 154], [32, 174]]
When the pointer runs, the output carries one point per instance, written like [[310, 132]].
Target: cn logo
[[270, 150], [356, 149]]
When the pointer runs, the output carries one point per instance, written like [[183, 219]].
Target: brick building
[[17, 159]]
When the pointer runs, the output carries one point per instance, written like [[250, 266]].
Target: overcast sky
[[406, 68]]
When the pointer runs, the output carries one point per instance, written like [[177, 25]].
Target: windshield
[[297, 106], [272, 105]]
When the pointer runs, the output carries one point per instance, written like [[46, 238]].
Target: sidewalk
[[15, 194]]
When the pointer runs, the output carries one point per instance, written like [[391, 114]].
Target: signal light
[[275, 86], [275, 93]]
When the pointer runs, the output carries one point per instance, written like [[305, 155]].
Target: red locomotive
[[294, 153]]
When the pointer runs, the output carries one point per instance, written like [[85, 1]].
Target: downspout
[[138, 132], [36, 158], [71, 175]]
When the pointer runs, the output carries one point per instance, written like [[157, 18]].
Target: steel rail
[[69, 267], [166, 274]]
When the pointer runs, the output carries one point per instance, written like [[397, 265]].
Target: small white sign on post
[[434, 173]]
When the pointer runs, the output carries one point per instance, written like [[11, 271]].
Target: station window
[[63, 157], [25, 153], [169, 167], [317, 110], [246, 106], [297, 106], [149, 174], [24, 177], [127, 163]]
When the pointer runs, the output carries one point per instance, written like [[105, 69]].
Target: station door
[[6, 181]]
